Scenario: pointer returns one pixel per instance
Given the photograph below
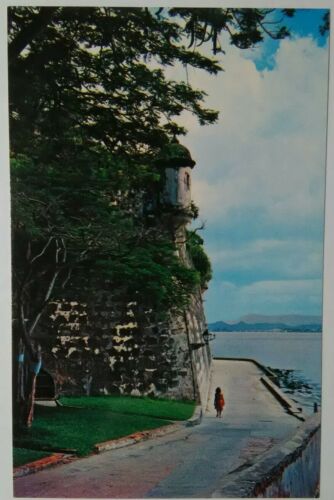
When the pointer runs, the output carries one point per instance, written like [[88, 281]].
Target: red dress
[[219, 402]]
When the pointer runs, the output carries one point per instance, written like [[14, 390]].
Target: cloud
[[270, 140], [228, 301], [268, 257]]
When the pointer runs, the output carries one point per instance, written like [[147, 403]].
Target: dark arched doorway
[[45, 386]]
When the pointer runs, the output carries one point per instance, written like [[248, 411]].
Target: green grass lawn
[[132, 405], [23, 456], [101, 419]]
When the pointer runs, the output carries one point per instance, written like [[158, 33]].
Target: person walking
[[219, 402]]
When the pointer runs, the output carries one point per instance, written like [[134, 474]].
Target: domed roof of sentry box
[[175, 155]]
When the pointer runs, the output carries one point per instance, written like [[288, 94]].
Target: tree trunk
[[26, 366], [18, 381], [30, 399]]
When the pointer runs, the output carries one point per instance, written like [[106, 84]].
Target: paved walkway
[[188, 463]]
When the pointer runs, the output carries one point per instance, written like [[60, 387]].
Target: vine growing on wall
[[199, 258]]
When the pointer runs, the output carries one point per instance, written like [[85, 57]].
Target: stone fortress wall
[[112, 347]]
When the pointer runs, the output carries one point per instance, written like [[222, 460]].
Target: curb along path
[[291, 406], [134, 438], [114, 444], [42, 463]]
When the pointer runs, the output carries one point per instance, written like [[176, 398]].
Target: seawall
[[291, 469]]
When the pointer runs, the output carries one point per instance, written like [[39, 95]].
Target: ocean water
[[300, 352]]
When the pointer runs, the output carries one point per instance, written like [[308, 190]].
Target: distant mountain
[[242, 326], [287, 319]]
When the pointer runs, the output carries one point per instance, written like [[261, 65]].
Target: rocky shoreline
[[299, 388]]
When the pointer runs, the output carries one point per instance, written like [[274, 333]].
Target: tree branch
[[45, 302], [24, 334], [43, 250], [69, 273], [30, 32], [273, 36], [201, 227]]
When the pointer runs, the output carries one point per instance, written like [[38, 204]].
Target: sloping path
[[188, 463]]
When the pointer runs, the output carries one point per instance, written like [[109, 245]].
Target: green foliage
[[246, 27], [133, 405], [194, 210], [113, 417], [174, 155], [103, 233], [171, 211], [74, 87], [199, 258], [152, 274], [71, 428], [62, 218], [325, 27]]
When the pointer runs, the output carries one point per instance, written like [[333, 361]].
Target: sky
[[260, 174]]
